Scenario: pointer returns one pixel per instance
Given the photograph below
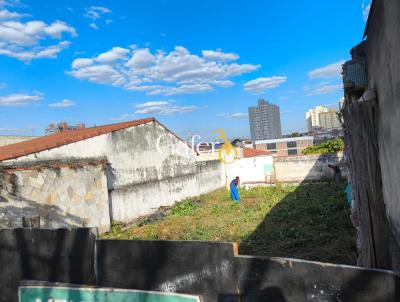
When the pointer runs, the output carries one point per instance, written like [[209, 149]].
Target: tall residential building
[[312, 117], [265, 121], [329, 120]]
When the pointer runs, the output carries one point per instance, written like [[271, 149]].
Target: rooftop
[[283, 140], [63, 138], [249, 152]]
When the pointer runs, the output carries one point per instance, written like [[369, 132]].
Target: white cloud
[[102, 74], [322, 88], [223, 83], [330, 71], [141, 58], [237, 115], [261, 84], [63, 104], [116, 53], [366, 7], [78, 63], [93, 25], [33, 39], [3, 85], [219, 55], [176, 72], [35, 52], [95, 13], [124, 117], [20, 99], [152, 104], [7, 15], [163, 108]]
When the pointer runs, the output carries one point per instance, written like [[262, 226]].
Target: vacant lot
[[308, 221]]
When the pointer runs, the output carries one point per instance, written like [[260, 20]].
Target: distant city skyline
[[196, 67]]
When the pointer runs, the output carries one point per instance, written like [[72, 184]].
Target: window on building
[[292, 152], [292, 145], [271, 146]]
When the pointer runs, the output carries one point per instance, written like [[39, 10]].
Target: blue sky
[[194, 65]]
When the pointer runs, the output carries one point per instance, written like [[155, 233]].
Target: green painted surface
[[63, 294], [268, 168]]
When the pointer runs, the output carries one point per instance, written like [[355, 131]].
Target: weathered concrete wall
[[250, 170], [384, 76], [216, 272], [11, 139], [149, 167], [62, 255], [62, 193], [210, 269], [283, 279], [307, 167], [191, 267]]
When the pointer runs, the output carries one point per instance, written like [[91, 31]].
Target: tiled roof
[[248, 152], [63, 138]]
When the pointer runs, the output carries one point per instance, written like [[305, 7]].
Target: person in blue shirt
[[234, 185]]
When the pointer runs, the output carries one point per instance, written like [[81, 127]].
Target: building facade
[[322, 118], [265, 121], [285, 146], [147, 167], [312, 117], [329, 120]]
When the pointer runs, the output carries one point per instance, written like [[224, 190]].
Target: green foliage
[[184, 208], [307, 221], [327, 147]]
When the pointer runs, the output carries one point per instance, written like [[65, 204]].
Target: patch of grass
[[307, 221]]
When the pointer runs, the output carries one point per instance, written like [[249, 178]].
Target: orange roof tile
[[63, 138], [248, 152]]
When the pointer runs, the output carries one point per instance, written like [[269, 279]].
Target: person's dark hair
[[237, 177]]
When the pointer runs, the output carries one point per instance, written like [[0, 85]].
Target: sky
[[194, 65]]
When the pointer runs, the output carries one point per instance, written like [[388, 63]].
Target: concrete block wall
[[213, 270], [62, 255], [307, 167], [60, 193]]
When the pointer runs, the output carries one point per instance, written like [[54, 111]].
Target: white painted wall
[[307, 167], [13, 139], [250, 170], [143, 177]]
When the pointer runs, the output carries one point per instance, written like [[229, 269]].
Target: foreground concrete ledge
[[290, 261]]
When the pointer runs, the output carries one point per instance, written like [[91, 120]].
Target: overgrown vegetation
[[327, 147], [308, 221]]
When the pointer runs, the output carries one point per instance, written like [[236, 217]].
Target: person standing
[[234, 185], [338, 173]]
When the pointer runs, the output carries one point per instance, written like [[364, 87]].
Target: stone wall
[[63, 193], [149, 167], [383, 44], [307, 167]]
